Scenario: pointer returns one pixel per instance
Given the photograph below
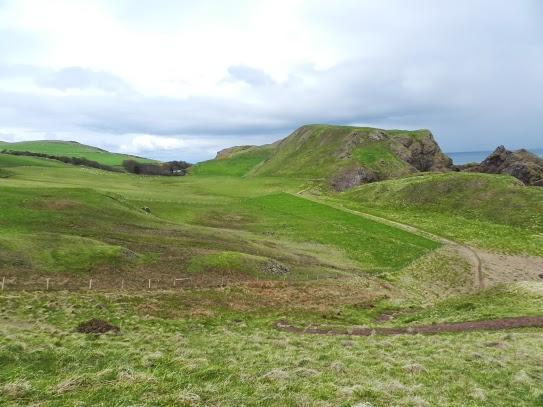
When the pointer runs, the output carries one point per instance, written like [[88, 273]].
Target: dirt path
[[487, 325], [479, 280]]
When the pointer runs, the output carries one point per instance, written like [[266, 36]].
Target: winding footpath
[[468, 252], [494, 324]]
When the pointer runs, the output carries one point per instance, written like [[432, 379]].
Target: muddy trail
[[485, 325]]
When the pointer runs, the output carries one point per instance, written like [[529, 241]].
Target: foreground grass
[[167, 354]]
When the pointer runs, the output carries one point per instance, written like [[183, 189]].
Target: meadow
[[214, 342]]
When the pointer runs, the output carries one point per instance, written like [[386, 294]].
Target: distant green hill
[[343, 156], [71, 149], [235, 161]]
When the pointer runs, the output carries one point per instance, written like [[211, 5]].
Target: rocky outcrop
[[418, 153], [422, 153], [351, 178], [520, 164]]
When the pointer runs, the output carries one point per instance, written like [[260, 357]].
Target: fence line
[[62, 283]]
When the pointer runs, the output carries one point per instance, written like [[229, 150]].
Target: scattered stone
[[274, 267], [96, 326]]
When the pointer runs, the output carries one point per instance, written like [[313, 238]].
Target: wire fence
[[61, 283]]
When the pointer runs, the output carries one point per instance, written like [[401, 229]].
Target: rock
[[521, 164], [352, 178], [274, 267], [423, 153], [146, 209]]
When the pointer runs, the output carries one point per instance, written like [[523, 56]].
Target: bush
[[172, 168]]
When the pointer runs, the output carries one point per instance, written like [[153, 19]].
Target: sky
[[183, 79]]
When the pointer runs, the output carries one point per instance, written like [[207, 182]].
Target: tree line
[[170, 168], [68, 160]]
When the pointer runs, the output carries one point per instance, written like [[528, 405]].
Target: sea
[[466, 157]]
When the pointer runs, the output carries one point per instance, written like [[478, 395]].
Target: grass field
[[487, 211], [218, 348], [215, 344], [72, 149], [59, 209]]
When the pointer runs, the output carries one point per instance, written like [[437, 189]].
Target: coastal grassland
[[489, 211], [218, 347], [187, 221], [72, 149]]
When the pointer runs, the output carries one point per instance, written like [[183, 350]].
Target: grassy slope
[[238, 164], [205, 348], [217, 346], [490, 211], [72, 149], [106, 207], [312, 152]]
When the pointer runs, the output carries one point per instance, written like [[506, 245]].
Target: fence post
[[3, 282], [90, 284], [47, 283], [149, 283]]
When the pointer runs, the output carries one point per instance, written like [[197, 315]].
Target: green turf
[[236, 165], [216, 344], [166, 356], [72, 149], [46, 207], [320, 151], [490, 211]]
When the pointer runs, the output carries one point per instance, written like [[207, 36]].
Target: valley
[[197, 271]]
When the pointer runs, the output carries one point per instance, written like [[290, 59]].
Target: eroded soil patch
[[488, 325], [96, 326]]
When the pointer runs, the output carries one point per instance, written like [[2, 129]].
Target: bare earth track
[[487, 325], [475, 259]]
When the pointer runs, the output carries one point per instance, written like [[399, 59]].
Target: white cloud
[[146, 142], [125, 73]]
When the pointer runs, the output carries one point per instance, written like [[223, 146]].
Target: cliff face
[[422, 153], [520, 164]]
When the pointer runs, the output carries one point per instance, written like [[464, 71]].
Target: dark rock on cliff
[[520, 164], [351, 178], [423, 153]]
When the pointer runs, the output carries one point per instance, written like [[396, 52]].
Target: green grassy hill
[[57, 218], [213, 341], [71, 149], [237, 162], [342, 156], [492, 211]]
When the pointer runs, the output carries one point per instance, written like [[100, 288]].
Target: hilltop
[[72, 149], [342, 156]]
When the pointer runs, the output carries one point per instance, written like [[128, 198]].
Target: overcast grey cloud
[[81, 78], [471, 71]]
